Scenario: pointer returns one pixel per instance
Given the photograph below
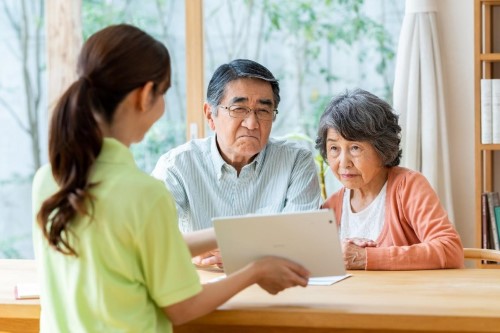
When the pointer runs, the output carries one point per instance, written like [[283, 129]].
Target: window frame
[[58, 76]]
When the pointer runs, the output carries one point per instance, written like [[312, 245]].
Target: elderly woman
[[390, 218]]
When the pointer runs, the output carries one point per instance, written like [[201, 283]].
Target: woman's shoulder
[[398, 173], [130, 185], [145, 183], [401, 177], [42, 174], [43, 184]]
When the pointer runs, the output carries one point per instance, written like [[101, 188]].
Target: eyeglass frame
[[228, 109]]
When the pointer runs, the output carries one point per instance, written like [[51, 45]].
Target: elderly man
[[239, 170]]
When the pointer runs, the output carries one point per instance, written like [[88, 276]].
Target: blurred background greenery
[[316, 48]]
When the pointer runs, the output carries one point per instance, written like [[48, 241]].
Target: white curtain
[[419, 98]]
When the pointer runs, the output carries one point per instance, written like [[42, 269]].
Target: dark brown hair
[[112, 63]]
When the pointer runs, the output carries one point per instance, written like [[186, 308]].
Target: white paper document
[[27, 291], [326, 280], [315, 281]]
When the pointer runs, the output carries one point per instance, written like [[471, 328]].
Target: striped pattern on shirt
[[282, 178]]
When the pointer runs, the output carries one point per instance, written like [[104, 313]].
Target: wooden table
[[465, 300], [17, 315]]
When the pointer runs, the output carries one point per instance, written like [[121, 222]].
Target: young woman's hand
[[271, 273], [275, 274]]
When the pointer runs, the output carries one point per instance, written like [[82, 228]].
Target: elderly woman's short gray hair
[[358, 115]]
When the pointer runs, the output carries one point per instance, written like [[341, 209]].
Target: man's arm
[[166, 171], [201, 241], [304, 192]]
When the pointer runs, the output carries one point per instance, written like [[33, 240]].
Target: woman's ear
[[207, 110], [146, 96]]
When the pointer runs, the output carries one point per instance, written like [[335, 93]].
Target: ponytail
[[75, 141], [113, 62]]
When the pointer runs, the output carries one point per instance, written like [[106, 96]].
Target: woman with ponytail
[[109, 254]]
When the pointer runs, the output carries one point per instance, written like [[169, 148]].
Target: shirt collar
[[219, 161], [113, 151], [216, 157], [259, 160]]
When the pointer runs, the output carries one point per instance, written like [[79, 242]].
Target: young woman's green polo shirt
[[132, 259]]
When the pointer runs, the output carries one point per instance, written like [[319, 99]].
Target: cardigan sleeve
[[419, 234], [334, 202]]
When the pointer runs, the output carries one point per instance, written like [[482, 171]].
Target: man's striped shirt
[[282, 178]]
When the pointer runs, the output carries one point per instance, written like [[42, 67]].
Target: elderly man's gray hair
[[237, 69]]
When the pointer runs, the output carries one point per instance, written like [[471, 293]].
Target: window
[[165, 21], [315, 48], [23, 120]]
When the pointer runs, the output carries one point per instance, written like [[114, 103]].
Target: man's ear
[[207, 110], [146, 96]]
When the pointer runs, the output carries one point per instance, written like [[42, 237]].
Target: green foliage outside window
[[153, 17], [313, 33]]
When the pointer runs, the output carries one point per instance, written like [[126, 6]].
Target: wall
[[456, 27]]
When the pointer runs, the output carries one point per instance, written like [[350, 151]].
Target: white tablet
[[309, 238]]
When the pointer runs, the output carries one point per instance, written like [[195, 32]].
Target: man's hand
[[207, 259]]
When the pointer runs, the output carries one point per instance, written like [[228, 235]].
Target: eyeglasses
[[240, 111]]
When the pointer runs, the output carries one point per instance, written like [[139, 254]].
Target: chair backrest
[[481, 254]]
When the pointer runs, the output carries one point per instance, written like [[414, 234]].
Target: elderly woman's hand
[[355, 252], [363, 242]]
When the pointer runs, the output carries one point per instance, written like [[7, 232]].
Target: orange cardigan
[[417, 233]]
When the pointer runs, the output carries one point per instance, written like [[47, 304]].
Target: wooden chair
[[481, 254]]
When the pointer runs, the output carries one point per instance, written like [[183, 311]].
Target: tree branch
[[10, 17], [18, 120], [165, 31], [38, 54]]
